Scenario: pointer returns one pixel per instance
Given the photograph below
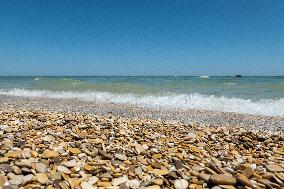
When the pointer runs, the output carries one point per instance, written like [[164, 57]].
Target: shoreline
[[203, 117]]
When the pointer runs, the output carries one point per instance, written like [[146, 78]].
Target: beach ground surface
[[66, 144]]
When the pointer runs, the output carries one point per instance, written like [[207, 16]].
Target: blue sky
[[146, 37]]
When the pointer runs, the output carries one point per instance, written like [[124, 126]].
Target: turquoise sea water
[[252, 95]]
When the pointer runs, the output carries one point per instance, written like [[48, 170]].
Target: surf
[[268, 107]]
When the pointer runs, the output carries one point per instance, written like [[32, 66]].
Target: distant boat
[[238, 76], [204, 76]]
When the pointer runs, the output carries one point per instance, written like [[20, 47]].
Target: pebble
[[86, 185], [178, 164], [42, 178], [17, 170], [63, 169], [88, 168], [49, 154], [5, 168], [119, 181], [121, 157], [181, 184], [74, 150], [134, 184], [4, 159], [71, 163], [160, 172], [40, 167], [104, 184], [14, 154], [221, 179], [48, 138], [274, 168]]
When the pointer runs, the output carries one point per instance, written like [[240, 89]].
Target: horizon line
[[139, 75]]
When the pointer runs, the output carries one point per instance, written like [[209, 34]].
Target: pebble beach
[[91, 146]]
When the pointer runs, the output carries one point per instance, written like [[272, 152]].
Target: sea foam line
[[171, 101]]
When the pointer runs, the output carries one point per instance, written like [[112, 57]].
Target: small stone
[[178, 163], [121, 157], [40, 167], [140, 148], [13, 154], [4, 159], [104, 154], [216, 187], [49, 154], [17, 170], [42, 178], [119, 181], [145, 183], [19, 179], [27, 163], [55, 176], [134, 184], [74, 150], [223, 179], [88, 168], [48, 138], [34, 154], [160, 172], [104, 184], [173, 175], [248, 172], [157, 156], [71, 163], [93, 180], [274, 168], [123, 186], [197, 168], [106, 175], [192, 186], [86, 185], [73, 182], [5, 168], [156, 165], [181, 184], [56, 160], [63, 169], [142, 160], [195, 149]]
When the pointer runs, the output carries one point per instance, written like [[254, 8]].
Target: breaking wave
[[270, 107]]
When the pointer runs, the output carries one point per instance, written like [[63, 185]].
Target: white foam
[[204, 76], [170, 101], [37, 78]]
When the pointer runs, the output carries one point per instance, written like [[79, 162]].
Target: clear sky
[[142, 37]]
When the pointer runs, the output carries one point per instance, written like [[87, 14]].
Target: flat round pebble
[[40, 167]]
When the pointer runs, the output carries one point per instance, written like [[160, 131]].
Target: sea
[[246, 95]]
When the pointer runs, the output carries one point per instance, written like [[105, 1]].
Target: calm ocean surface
[[252, 95]]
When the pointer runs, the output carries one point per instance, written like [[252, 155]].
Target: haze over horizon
[[141, 38]]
